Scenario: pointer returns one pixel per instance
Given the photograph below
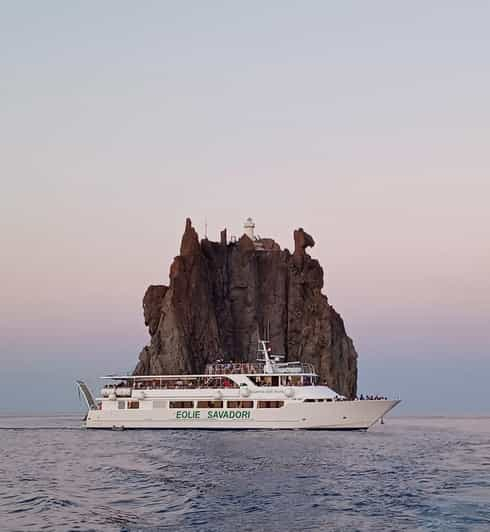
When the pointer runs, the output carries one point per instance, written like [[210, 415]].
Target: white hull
[[334, 415]]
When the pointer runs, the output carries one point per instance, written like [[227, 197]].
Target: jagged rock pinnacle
[[190, 240], [223, 296], [302, 241]]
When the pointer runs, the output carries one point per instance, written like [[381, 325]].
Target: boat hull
[[335, 415]]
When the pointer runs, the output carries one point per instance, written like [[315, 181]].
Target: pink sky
[[368, 126]]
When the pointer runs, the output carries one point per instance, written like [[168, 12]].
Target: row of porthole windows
[[133, 405]]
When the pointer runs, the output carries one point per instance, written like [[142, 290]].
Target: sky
[[366, 123]]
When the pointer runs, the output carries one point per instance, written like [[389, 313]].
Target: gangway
[[87, 394]]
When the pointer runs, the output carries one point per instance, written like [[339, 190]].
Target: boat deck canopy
[[200, 375]]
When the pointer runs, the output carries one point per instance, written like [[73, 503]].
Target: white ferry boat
[[269, 394]]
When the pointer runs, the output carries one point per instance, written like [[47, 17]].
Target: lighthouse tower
[[249, 227]]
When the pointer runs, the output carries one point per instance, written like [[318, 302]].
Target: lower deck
[[247, 414]]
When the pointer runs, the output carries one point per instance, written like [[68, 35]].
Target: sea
[[410, 473]]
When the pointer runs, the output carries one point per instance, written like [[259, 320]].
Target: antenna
[[206, 228], [267, 331]]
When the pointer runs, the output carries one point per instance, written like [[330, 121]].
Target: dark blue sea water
[[409, 474]]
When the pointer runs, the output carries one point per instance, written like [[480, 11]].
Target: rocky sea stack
[[224, 295]]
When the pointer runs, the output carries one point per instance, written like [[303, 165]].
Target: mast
[[264, 350]]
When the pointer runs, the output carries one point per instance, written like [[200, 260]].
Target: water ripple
[[409, 474]]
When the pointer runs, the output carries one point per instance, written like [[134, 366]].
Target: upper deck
[[268, 371], [259, 368], [267, 363], [230, 380]]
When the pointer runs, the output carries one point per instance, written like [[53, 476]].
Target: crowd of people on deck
[[176, 383], [372, 398], [244, 368], [223, 382], [362, 398]]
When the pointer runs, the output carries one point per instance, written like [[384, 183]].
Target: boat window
[[270, 404], [181, 404], [121, 405], [240, 404], [261, 380], [158, 403], [133, 405], [210, 404], [284, 380]]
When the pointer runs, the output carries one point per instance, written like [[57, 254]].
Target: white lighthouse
[[249, 227]]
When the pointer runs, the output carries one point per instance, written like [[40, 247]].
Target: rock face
[[223, 296]]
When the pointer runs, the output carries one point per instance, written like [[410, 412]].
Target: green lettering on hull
[[214, 414], [229, 414], [188, 414]]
